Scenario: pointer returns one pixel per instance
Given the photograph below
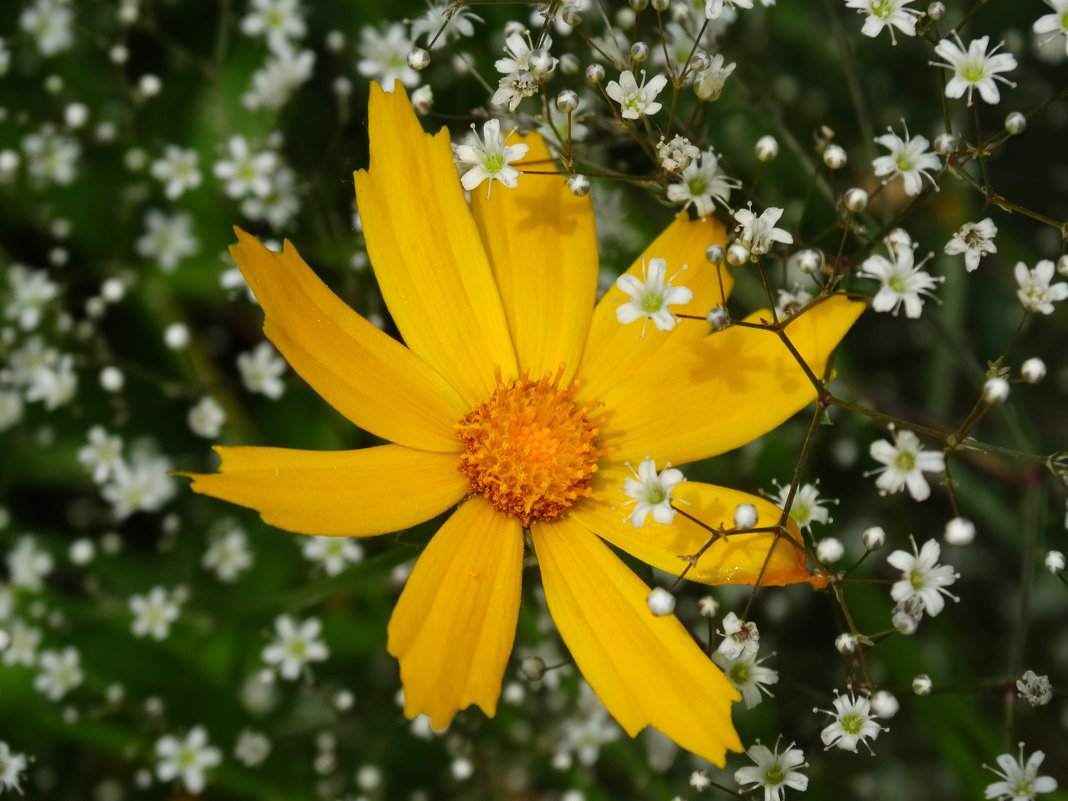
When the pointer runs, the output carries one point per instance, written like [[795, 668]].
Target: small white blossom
[[520, 49], [54, 385], [922, 684], [280, 76], [974, 240], [102, 455], [1037, 690], [708, 83], [333, 553], [1033, 370], [714, 8], [279, 206], [456, 20], [853, 723], [28, 564], [178, 171], [60, 672], [49, 23], [739, 637], [909, 158], [186, 759], [884, 704], [1054, 562], [280, 21], [886, 14], [142, 485], [1019, 781], [922, 578], [384, 56], [1055, 24], [974, 69], [31, 292], [295, 646], [702, 184], [676, 155], [747, 674], [261, 370], [168, 238], [11, 767], [773, 771], [959, 531], [206, 418], [660, 602], [154, 613], [228, 555], [807, 508], [22, 649], [757, 233], [489, 158], [905, 463], [636, 101], [651, 297], [650, 492], [245, 172], [51, 156], [252, 748], [1036, 293], [903, 282]]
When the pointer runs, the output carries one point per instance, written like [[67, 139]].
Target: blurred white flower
[[186, 759], [261, 370], [296, 645], [168, 238]]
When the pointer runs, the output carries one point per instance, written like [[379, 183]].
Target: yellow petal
[[616, 351], [358, 493], [542, 244], [723, 391], [735, 559], [454, 624], [426, 252], [647, 670], [366, 375]]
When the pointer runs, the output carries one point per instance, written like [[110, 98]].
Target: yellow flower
[[520, 403]]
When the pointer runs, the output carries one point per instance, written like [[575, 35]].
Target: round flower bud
[[1033, 370], [541, 63], [718, 318], [82, 551], [149, 85], [660, 602], [767, 148], [715, 254], [884, 704], [845, 643], [809, 261], [855, 199], [75, 115], [874, 538], [834, 156], [112, 379], [959, 531], [1062, 265], [936, 10], [1015, 123], [1055, 562], [176, 336], [579, 184], [921, 685], [335, 41], [745, 516], [112, 290], [829, 550], [567, 101], [344, 700], [661, 5], [995, 391], [945, 143], [737, 254], [422, 99], [700, 61], [532, 668], [572, 15], [639, 5], [418, 58], [904, 622], [594, 72], [639, 51], [118, 54]]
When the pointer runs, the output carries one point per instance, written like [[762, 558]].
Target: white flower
[[886, 14], [757, 233], [22, 649], [1055, 24], [519, 51], [739, 637], [908, 158], [903, 282], [143, 485], [490, 158], [54, 385], [853, 723], [177, 170], [31, 291], [922, 578], [651, 297], [456, 20], [154, 613], [51, 156], [905, 463], [297, 644], [276, 81], [636, 101], [747, 675], [167, 238], [1035, 292], [279, 206], [1020, 782], [228, 555], [807, 508], [714, 8], [60, 672], [513, 88], [676, 155], [261, 370], [49, 23], [974, 68], [27, 564], [384, 57], [333, 553], [773, 771], [280, 21], [102, 455], [708, 84], [1036, 689], [187, 758], [11, 766], [252, 748], [702, 183], [650, 492], [974, 240], [245, 172], [206, 418]]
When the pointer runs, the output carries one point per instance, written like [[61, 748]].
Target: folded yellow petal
[[542, 244], [723, 391], [359, 493], [454, 624], [426, 252], [735, 559], [365, 374], [616, 351], [647, 670]]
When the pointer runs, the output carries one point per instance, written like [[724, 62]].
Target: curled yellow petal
[[454, 624], [648, 671]]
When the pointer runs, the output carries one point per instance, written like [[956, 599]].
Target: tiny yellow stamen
[[530, 450]]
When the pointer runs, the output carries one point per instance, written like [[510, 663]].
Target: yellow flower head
[[519, 402]]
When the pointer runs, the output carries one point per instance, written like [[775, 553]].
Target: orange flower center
[[530, 450]]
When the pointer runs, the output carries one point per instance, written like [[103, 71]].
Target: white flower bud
[[75, 115], [572, 15], [112, 290], [829, 550], [660, 602], [936, 10], [149, 85], [767, 148], [1062, 265], [834, 157], [1055, 562], [661, 5], [745, 516], [422, 99], [82, 551], [945, 143], [995, 391], [541, 63], [112, 379], [809, 261], [845, 643], [715, 254], [594, 72], [855, 199], [960, 531], [176, 336], [579, 184], [1015, 123], [921, 685], [418, 58], [335, 41], [532, 668], [567, 101], [904, 622], [718, 318], [639, 51], [874, 538], [639, 5], [884, 704], [737, 254], [1033, 370], [700, 60]]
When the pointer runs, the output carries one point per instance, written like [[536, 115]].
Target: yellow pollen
[[529, 449]]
